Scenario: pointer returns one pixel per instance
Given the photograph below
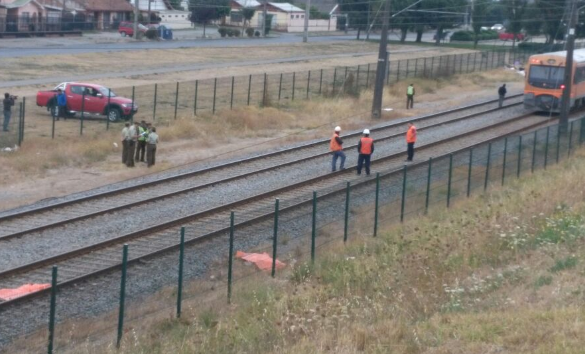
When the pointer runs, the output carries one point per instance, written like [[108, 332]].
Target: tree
[[443, 19], [357, 13], [479, 19], [404, 20], [515, 13], [247, 14], [176, 4], [205, 11], [552, 11], [534, 20]]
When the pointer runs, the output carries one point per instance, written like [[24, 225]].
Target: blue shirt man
[[62, 104]]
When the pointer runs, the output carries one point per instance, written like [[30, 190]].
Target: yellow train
[[543, 86]]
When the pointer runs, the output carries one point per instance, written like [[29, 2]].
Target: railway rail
[[21, 223], [97, 259]]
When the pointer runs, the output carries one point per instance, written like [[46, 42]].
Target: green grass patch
[[564, 264]]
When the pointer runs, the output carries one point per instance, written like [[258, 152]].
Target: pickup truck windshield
[[106, 91], [546, 76]]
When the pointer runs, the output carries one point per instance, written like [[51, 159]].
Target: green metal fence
[[162, 103], [327, 216]]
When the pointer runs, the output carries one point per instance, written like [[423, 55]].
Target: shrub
[[250, 31], [237, 32], [222, 31], [151, 33], [469, 36], [257, 33], [230, 32]]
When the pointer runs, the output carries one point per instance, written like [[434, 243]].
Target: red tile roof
[[108, 5]]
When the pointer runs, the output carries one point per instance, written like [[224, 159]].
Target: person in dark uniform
[[365, 150], [151, 147], [502, 95], [141, 143]]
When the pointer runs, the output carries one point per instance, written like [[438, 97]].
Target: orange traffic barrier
[[9, 294], [261, 260]]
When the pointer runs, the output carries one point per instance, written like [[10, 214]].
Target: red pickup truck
[[510, 36], [96, 101]]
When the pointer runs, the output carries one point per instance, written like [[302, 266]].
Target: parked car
[[497, 27], [127, 28], [510, 36], [99, 101]]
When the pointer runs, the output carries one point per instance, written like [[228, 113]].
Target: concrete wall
[[314, 25]]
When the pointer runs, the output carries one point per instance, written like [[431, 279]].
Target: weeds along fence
[[297, 237], [162, 103]]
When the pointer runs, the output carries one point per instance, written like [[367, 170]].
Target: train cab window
[[546, 76], [579, 75]]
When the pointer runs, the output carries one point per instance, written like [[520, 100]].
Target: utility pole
[[382, 64], [307, 14], [264, 13], [568, 79], [149, 2], [136, 14]]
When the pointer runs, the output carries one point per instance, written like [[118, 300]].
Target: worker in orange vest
[[336, 146], [410, 140], [365, 150]]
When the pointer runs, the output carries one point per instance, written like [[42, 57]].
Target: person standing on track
[[133, 135], [502, 95], [151, 147], [336, 146], [141, 145], [410, 92], [410, 140], [365, 151], [125, 138]]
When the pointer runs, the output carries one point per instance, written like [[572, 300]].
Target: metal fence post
[[468, 59], [249, 88], [195, 97], [320, 81], [533, 152], [231, 257], [558, 143], [275, 237], [440, 64], [133, 95], [407, 67], [377, 202], [504, 162], [415, 67], [122, 295], [293, 85], [308, 83], [570, 138], [176, 99], [519, 157], [432, 65], [82, 113], [334, 78], [487, 167], [279, 86], [388, 70], [232, 93], [52, 126], [449, 180], [154, 105], [108, 111], [546, 147], [214, 93], [429, 174], [469, 168], [357, 80], [398, 71], [403, 199], [368, 77], [52, 310], [314, 227], [264, 92], [347, 188], [181, 261]]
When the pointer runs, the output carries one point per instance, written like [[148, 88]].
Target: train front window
[[546, 76]]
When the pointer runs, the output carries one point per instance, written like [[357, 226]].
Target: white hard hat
[[338, 128], [367, 131]]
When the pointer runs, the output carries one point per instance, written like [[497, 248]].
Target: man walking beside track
[[151, 147], [133, 135], [410, 92], [125, 139], [61, 105], [141, 147], [410, 140], [502, 94], [365, 151], [335, 145]]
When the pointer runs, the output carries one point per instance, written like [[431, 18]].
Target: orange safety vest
[[411, 135], [334, 145], [366, 147]]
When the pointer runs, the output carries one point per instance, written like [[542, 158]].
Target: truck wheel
[[114, 115]]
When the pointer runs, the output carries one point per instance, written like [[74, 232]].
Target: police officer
[[141, 144], [410, 92], [132, 137], [502, 95], [125, 138], [410, 140], [336, 146], [365, 149], [151, 147]]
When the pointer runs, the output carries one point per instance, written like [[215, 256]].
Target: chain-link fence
[[162, 103], [294, 231], [12, 131]]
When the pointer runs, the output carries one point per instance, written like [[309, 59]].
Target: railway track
[[91, 261], [39, 219]]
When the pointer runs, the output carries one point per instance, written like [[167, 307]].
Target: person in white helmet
[[336, 147], [365, 150]]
